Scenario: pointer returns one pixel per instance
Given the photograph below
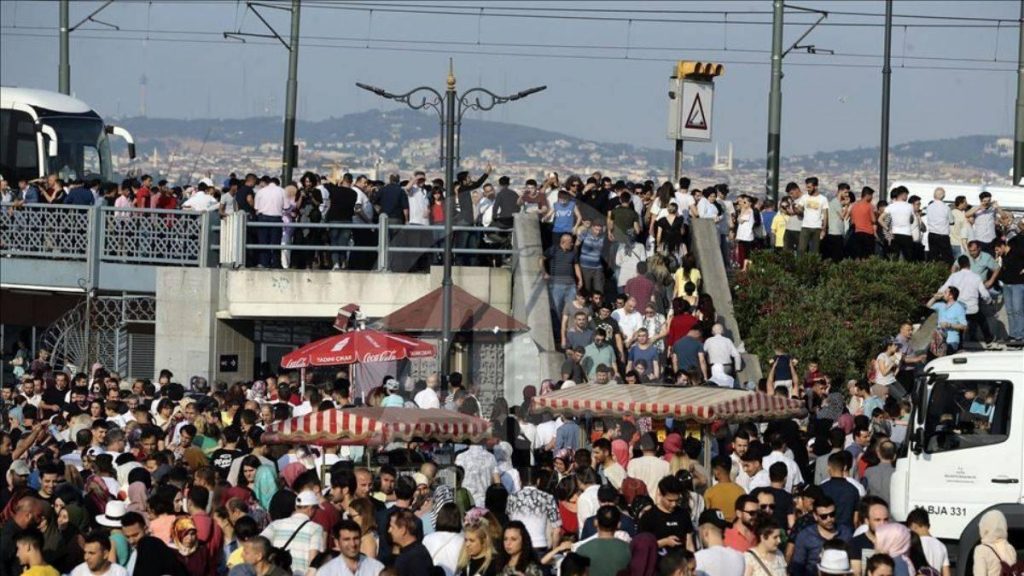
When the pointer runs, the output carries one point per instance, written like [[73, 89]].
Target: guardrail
[[145, 236]]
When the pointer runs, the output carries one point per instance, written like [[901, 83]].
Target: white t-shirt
[[720, 561], [815, 210], [629, 322], [114, 570], [444, 548], [935, 552], [901, 214], [427, 398], [938, 217]]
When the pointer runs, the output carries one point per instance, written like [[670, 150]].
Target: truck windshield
[[967, 414], [82, 148]]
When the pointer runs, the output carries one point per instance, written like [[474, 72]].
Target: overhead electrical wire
[[542, 55]]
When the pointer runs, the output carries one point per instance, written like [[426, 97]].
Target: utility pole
[[64, 69], [1018, 133], [451, 103], [775, 104], [883, 147], [289, 155]]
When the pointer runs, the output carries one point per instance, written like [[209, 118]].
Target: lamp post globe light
[[450, 108]]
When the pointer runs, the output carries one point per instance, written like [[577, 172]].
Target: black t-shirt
[[414, 560], [858, 545], [665, 524], [223, 457], [1013, 262], [784, 506], [343, 203], [54, 396], [574, 370], [242, 198], [610, 326]]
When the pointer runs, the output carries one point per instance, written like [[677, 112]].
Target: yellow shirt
[[681, 281], [779, 228], [235, 558], [723, 496], [42, 570]]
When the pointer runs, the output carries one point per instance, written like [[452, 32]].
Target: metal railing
[[52, 232], [238, 236], [146, 236]]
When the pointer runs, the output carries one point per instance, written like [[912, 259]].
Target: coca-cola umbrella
[[377, 426], [357, 347]]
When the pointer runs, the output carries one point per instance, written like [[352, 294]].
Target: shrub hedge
[[836, 312]]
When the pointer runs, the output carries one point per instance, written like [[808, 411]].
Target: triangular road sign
[[695, 119]]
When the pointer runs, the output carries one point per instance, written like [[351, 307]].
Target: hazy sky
[[604, 82]]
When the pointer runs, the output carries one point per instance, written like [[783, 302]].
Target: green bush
[[838, 313]]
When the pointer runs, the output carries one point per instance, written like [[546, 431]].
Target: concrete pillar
[[529, 357]]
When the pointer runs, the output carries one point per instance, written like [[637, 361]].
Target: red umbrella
[[359, 346]]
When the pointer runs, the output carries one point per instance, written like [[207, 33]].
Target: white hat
[[568, 384], [307, 498], [112, 514], [421, 479], [834, 562]]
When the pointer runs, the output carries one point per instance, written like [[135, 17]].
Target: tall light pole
[[1018, 132], [64, 69], [883, 146], [775, 104], [450, 108], [288, 155]]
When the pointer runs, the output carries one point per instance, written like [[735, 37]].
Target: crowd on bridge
[[103, 475]]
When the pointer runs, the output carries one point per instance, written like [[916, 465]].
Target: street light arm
[[484, 99], [417, 98]]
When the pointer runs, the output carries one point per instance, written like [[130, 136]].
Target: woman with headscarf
[[190, 551], [509, 475], [137, 497], [264, 486], [894, 539], [643, 551], [994, 550], [60, 548], [291, 472], [672, 445], [153, 557]]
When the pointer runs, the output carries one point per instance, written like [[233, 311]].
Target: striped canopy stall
[[700, 404], [377, 426]]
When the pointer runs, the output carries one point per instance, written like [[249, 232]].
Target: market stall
[[377, 427], [701, 404]]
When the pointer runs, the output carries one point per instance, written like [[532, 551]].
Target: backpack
[[1017, 569]]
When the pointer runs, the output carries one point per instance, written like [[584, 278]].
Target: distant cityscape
[[377, 143]]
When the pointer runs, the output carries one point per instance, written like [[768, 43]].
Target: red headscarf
[[620, 450], [673, 444]]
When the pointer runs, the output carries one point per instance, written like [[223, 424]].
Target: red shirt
[[860, 217], [165, 202], [737, 541], [679, 327], [142, 197]]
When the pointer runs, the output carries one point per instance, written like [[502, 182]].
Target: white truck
[[965, 454]]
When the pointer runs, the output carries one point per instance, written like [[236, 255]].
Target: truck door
[[965, 452]]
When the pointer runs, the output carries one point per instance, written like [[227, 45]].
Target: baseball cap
[[307, 498], [20, 468], [421, 479], [714, 517]]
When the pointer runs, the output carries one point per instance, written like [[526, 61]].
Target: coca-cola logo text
[[385, 356]]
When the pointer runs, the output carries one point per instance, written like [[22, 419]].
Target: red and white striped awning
[[701, 404], [377, 426]]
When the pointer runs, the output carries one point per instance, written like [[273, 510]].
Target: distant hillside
[[387, 134]]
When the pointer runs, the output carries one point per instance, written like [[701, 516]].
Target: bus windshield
[[83, 150]]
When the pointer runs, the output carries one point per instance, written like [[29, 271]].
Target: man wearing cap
[[298, 534], [715, 559]]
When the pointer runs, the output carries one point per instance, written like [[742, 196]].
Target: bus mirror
[[49, 132], [126, 135]]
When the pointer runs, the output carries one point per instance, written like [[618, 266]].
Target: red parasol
[[377, 426], [359, 346]]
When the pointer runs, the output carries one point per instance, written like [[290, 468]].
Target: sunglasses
[[767, 506], [750, 511], [826, 515]]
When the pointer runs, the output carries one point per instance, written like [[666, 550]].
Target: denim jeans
[[561, 294], [340, 237], [270, 236], [1013, 299]]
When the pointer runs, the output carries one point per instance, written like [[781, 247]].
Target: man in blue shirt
[[811, 540], [951, 316], [80, 196], [842, 492]]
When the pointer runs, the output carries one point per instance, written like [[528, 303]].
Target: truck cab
[[965, 449]]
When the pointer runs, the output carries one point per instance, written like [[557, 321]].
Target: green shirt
[[607, 556]]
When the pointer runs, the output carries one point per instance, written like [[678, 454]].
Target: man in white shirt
[[546, 432], [938, 217], [350, 561], [754, 475], [427, 398], [270, 202], [972, 289], [778, 454], [814, 209], [201, 201], [649, 468], [95, 552], [684, 200], [719, 349], [588, 503], [899, 217], [934, 550], [716, 559], [629, 319]]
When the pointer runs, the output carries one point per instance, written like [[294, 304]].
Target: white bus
[[1010, 198], [43, 133]]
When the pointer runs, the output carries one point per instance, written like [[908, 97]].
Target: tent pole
[[302, 382], [707, 446]]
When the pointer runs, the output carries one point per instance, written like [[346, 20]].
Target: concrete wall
[[704, 242], [319, 294], [529, 357]]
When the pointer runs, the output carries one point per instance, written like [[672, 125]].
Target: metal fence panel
[[44, 231], [150, 236]]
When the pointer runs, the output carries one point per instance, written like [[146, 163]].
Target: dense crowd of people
[[107, 476]]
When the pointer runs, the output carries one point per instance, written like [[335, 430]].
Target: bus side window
[[968, 414], [26, 149]]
